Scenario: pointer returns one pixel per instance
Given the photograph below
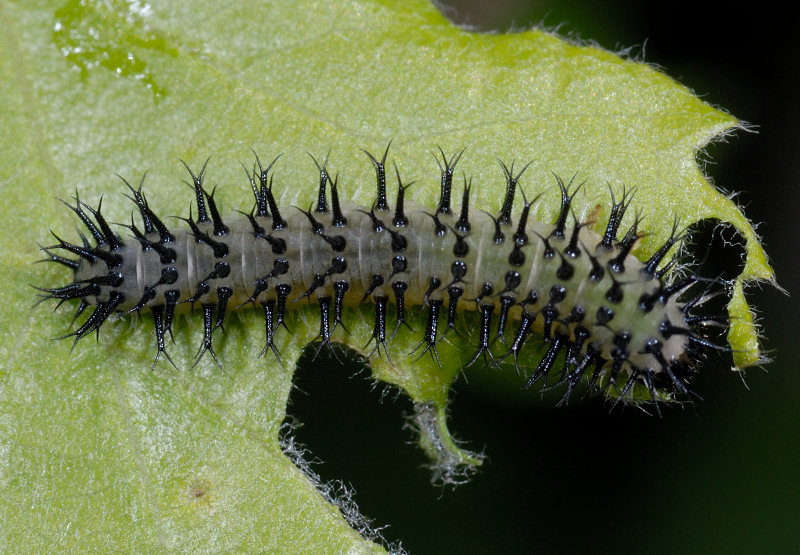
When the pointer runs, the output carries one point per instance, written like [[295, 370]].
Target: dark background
[[721, 476]]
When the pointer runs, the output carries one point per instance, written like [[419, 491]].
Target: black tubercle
[[399, 264], [277, 244], [261, 285], [377, 224], [487, 289], [220, 248], [461, 247], [573, 250], [316, 282], [399, 241], [498, 236], [597, 272], [316, 227], [566, 270], [148, 295], [375, 281], [614, 294], [337, 242], [458, 270], [201, 290], [512, 280], [439, 229], [111, 279], [517, 257], [167, 255], [619, 354], [604, 315], [550, 311]]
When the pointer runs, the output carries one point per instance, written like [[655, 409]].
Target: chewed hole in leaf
[[717, 246], [353, 428]]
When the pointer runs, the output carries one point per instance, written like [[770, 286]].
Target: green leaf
[[97, 450]]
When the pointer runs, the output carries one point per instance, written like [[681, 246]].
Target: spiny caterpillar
[[611, 314]]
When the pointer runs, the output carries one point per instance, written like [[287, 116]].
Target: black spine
[[399, 289], [400, 219], [340, 288], [322, 205], [379, 329], [618, 210], [429, 340], [338, 218], [462, 225], [483, 337], [380, 178], [265, 193], [454, 293], [566, 203], [511, 187], [447, 180], [199, 193]]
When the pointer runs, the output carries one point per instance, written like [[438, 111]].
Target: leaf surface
[[96, 449]]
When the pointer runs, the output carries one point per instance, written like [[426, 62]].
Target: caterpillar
[[610, 314]]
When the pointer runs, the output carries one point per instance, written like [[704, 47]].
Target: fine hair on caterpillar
[[614, 320]]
